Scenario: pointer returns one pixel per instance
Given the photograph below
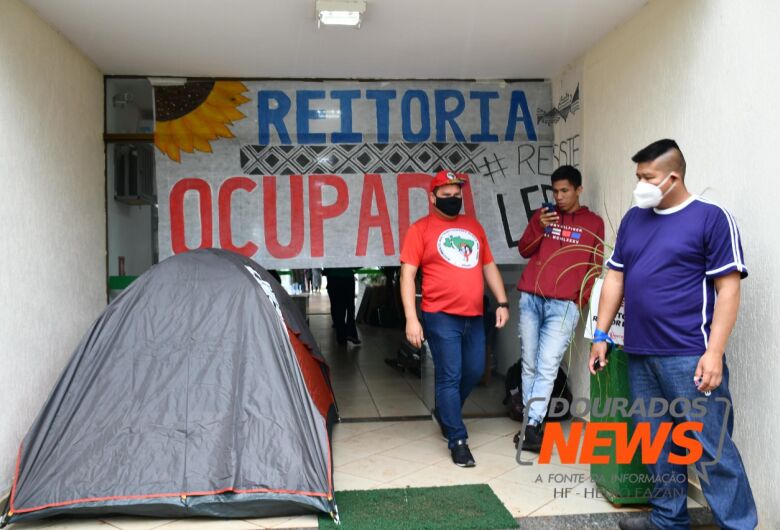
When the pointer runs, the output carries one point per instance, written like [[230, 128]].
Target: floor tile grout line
[[444, 460], [365, 382], [386, 456], [412, 472], [511, 512], [351, 475], [376, 453], [416, 462], [529, 514], [161, 525], [514, 469]]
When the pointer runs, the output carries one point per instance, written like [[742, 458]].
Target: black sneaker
[[437, 419], [532, 441], [461, 456], [637, 523], [354, 340]]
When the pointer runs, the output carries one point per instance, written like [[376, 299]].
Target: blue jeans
[[458, 348], [727, 491], [546, 328]]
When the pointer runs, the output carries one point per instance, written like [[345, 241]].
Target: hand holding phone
[[549, 215], [597, 362], [602, 342]]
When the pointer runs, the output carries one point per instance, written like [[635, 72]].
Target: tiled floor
[[399, 454], [395, 454], [376, 455]]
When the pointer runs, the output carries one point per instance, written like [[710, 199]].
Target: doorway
[[366, 383]]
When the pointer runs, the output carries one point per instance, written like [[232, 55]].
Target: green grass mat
[[468, 507]]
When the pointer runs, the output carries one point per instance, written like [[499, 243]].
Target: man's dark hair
[[570, 173], [658, 148]]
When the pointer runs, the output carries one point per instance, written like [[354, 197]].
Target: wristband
[[600, 336], [504, 304]]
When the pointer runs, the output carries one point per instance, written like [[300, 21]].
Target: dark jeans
[[458, 348], [727, 491], [341, 292]]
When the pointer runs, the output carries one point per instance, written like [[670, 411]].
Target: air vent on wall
[[134, 174]]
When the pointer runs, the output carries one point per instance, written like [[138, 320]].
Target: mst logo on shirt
[[459, 247]]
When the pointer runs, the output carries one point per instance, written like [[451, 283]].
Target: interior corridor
[[366, 387]]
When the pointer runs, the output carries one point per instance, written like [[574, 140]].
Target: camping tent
[[199, 391]]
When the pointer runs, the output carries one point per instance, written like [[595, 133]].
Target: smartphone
[[597, 363], [549, 206]]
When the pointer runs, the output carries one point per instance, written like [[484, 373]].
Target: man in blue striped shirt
[[677, 264]]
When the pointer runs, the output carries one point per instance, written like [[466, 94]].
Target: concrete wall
[[704, 72], [52, 213]]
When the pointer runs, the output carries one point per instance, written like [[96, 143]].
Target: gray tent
[[200, 391]]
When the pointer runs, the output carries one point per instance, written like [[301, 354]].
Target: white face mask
[[649, 195]]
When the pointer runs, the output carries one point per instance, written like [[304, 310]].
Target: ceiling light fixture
[[167, 81], [340, 12]]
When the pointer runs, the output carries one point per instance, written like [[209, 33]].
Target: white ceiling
[[421, 39]]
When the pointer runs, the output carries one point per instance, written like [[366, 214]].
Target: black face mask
[[449, 205]]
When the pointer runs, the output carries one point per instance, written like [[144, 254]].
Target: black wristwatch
[[503, 304]]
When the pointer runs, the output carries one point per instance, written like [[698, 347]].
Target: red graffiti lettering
[[373, 190], [319, 212], [176, 205], [270, 221], [225, 206]]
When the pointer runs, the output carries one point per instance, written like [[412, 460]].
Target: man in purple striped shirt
[[677, 264]]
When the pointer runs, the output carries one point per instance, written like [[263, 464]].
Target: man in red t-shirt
[[454, 255]]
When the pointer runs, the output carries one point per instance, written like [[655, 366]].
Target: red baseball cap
[[445, 177]]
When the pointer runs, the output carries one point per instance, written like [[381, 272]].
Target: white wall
[[568, 131], [52, 213], [705, 72]]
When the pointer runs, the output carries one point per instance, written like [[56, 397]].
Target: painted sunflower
[[188, 117]]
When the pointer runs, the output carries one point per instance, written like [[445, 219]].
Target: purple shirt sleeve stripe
[[736, 266]]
